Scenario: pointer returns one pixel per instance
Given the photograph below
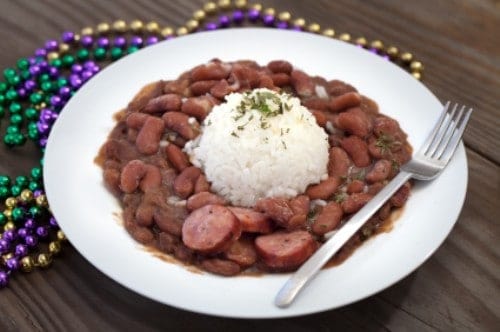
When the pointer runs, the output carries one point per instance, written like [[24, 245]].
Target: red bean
[[328, 219], [141, 234], [198, 107], [222, 89], [315, 103], [324, 189], [136, 120], [300, 208], [374, 188], [202, 87], [385, 211], [320, 117], [147, 93], [302, 83], [171, 244], [355, 121], [210, 71], [179, 87], [203, 198], [385, 126], [345, 101], [377, 151], [131, 175], [356, 186], [177, 158], [221, 266], [354, 202], [280, 66], [179, 122], [338, 162], [357, 150], [265, 81], [245, 77], [148, 139], [185, 181], [201, 184], [369, 106], [401, 196], [280, 79], [379, 172], [151, 179], [144, 215], [169, 218], [165, 103], [112, 179], [336, 88]]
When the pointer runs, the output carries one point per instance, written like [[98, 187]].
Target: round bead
[[270, 11], [116, 53], [21, 250], [182, 31], [103, 42], [42, 231], [52, 56], [256, 6], [285, 16], [314, 28], [192, 25], [12, 264], [63, 48], [60, 235], [68, 37], [120, 41], [361, 41], [210, 7], [4, 180], [41, 201], [11, 95], [31, 241], [224, 4], [22, 180], [35, 211], [406, 57], [27, 264], [54, 247], [103, 28], [44, 260], [4, 279], [417, 75], [152, 27], [165, 32], [87, 31], [416, 66], [199, 15], [99, 53], [119, 26], [4, 192], [17, 214], [10, 202], [329, 33], [136, 25], [392, 51], [377, 45], [345, 37], [240, 3], [82, 54], [9, 226], [8, 213], [26, 195]]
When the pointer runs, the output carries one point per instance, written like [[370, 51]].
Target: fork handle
[[310, 268]]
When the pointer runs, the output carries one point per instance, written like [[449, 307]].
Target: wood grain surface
[[456, 289]]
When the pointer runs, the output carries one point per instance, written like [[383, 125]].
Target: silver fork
[[426, 164]]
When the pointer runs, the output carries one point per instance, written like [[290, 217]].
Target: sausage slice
[[285, 251], [210, 229], [252, 221]]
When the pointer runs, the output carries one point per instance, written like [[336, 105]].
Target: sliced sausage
[[210, 229], [328, 219], [252, 221], [285, 250], [242, 252]]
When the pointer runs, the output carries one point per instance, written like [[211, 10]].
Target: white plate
[[86, 211]]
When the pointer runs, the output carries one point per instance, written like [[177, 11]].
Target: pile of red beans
[[168, 203]]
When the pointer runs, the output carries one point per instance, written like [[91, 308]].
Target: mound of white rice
[[260, 144]]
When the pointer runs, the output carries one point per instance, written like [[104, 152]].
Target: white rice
[[247, 155]]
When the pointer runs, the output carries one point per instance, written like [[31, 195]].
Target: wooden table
[[457, 289]]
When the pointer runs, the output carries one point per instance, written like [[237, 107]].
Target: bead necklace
[[36, 90]]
